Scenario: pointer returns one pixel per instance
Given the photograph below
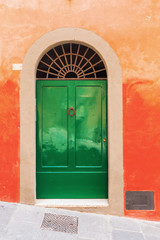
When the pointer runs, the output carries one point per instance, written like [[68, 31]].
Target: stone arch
[[28, 116]]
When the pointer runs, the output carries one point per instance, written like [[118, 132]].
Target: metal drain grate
[[60, 223]]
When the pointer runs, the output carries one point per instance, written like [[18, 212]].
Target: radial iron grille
[[71, 61]]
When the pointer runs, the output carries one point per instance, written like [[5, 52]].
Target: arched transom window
[[71, 61]]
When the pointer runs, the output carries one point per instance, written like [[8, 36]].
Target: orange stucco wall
[[132, 30]]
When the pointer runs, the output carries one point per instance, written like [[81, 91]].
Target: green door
[[71, 133]]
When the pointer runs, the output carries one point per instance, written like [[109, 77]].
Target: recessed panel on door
[[88, 126], [53, 126]]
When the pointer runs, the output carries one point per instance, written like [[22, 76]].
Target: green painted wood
[[75, 185], [88, 126], [71, 153], [52, 131]]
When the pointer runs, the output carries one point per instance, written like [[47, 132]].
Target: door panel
[[88, 126], [71, 155], [54, 127], [71, 185]]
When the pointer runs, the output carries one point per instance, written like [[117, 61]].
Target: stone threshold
[[63, 203]]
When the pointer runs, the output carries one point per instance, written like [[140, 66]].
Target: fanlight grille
[[71, 61]]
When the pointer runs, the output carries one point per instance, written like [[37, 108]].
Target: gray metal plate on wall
[[139, 200], [60, 223]]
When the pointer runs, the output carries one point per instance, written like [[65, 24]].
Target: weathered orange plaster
[[141, 141], [132, 30], [9, 141]]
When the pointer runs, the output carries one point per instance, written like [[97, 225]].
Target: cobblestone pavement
[[18, 221]]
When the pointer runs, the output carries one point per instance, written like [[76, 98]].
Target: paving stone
[[94, 236], [30, 231], [84, 238], [151, 223], [26, 223], [63, 212], [125, 224], [150, 231], [50, 235], [152, 238], [23, 222], [6, 212], [19, 230], [29, 214], [126, 235], [93, 223]]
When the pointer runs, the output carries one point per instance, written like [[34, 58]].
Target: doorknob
[[71, 109], [104, 139]]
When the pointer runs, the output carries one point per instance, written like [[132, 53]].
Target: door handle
[[71, 109]]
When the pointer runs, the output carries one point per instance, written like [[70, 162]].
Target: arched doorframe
[[28, 114]]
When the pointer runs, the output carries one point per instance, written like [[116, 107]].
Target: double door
[[71, 139]]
